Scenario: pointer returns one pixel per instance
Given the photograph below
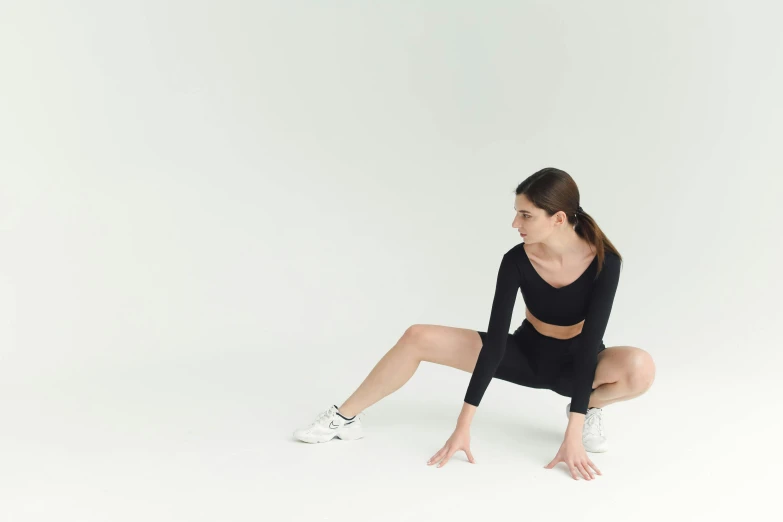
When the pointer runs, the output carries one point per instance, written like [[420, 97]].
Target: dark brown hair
[[554, 190]]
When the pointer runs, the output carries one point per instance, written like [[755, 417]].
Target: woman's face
[[530, 220]]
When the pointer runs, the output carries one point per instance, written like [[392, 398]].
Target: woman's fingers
[[442, 457], [584, 471], [470, 456], [435, 458], [577, 465], [444, 461]]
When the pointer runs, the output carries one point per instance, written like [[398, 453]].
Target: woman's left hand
[[572, 453]]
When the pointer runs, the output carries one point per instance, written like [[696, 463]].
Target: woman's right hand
[[459, 440]]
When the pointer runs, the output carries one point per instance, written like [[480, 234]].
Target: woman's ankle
[[342, 413]]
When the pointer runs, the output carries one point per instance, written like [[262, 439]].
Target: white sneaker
[[593, 431], [328, 425]]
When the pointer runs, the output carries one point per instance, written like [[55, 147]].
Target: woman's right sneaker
[[330, 424]]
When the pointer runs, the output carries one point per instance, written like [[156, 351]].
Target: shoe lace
[[594, 423], [321, 417]]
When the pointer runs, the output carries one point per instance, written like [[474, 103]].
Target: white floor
[[210, 439], [216, 217]]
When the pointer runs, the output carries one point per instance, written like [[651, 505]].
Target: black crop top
[[588, 298]]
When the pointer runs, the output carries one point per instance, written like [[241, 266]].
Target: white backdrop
[[216, 217]]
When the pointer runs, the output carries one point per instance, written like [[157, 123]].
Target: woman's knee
[[413, 337], [429, 342], [641, 370]]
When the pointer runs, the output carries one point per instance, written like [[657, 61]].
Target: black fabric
[[537, 361], [566, 366]]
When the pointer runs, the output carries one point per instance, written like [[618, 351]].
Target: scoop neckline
[[572, 283]]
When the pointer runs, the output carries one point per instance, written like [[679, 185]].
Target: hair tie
[[579, 210]]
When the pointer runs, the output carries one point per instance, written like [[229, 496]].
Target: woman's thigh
[[527, 360], [531, 359], [623, 362], [563, 384], [459, 348], [446, 345]]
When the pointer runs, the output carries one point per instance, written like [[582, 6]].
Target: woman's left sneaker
[[330, 424], [593, 436]]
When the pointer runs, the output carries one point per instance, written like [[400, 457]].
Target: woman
[[567, 271]]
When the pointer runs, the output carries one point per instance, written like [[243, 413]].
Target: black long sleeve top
[[588, 298]]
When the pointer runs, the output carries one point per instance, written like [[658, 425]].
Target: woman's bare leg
[[623, 373], [449, 346]]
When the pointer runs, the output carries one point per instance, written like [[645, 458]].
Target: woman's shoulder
[[611, 257], [612, 264], [516, 251]]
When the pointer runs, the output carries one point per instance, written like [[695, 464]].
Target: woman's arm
[[506, 288], [585, 349], [466, 416]]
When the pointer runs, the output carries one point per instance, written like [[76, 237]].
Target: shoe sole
[[344, 435]]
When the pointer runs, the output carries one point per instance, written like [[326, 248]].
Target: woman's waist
[[552, 330]]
